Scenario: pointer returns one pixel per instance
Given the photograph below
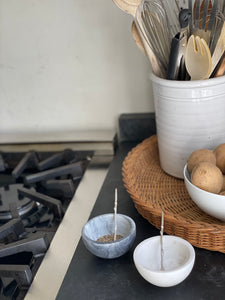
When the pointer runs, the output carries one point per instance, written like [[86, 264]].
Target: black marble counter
[[92, 278]]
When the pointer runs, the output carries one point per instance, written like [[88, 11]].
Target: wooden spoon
[[143, 46], [219, 50], [220, 68], [129, 6], [137, 38]]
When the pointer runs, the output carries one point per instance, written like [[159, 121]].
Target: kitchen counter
[[90, 277]]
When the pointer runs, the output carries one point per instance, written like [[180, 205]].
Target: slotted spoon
[[198, 59]]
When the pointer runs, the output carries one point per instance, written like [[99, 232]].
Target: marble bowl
[[178, 260], [212, 204], [104, 225]]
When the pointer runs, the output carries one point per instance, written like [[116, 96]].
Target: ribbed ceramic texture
[[152, 191], [189, 115]]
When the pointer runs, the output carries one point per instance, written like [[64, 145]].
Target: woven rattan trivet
[[152, 191]]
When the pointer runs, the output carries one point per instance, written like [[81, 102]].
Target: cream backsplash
[[68, 65]]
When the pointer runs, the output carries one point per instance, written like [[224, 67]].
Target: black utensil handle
[[173, 67]]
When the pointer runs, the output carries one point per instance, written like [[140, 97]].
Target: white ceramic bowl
[[212, 204], [104, 225], [178, 260]]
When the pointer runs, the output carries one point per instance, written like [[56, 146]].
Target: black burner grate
[[35, 191]]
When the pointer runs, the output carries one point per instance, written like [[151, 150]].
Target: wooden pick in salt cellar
[[161, 240], [115, 212]]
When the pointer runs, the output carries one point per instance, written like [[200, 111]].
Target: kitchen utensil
[[221, 68], [171, 8], [138, 31], [198, 59], [137, 38], [196, 15], [161, 241], [130, 7], [176, 67], [203, 17], [144, 47], [174, 62], [149, 48], [212, 15], [172, 12], [219, 50], [155, 26], [184, 19], [216, 28], [191, 18], [115, 213]]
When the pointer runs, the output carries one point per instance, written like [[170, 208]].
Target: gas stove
[[36, 189]]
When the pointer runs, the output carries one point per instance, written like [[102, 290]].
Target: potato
[[198, 156], [207, 176], [223, 188], [219, 152]]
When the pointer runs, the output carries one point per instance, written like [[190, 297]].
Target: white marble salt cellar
[[178, 260]]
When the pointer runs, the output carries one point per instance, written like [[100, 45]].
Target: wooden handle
[[128, 6], [137, 38], [221, 69], [142, 44], [219, 50]]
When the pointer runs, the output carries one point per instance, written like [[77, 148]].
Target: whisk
[[155, 26]]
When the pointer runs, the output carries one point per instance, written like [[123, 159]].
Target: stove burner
[[11, 205]]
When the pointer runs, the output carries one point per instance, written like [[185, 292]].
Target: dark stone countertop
[[93, 278]]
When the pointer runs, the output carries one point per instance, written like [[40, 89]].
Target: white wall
[[68, 65]]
